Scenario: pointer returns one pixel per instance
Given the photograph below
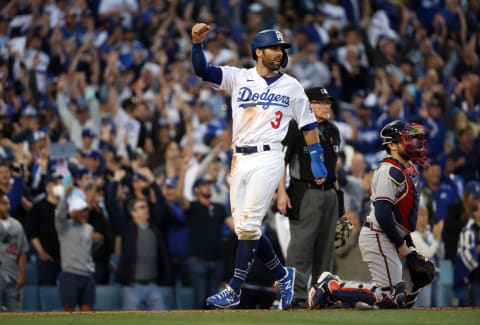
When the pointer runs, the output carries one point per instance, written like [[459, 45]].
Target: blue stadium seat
[[30, 298], [168, 297], [31, 274], [49, 298], [109, 297], [183, 297]]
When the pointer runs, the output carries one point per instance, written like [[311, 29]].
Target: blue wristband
[[316, 151], [316, 156]]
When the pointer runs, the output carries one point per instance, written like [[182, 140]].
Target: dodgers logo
[[247, 97], [279, 36]]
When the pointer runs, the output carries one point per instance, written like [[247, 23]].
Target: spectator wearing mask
[[40, 227]]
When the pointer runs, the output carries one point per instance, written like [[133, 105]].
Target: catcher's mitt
[[342, 232], [422, 270]]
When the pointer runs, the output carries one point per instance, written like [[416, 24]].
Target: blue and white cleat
[[286, 286], [224, 299]]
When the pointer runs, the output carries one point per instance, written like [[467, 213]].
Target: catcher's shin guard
[[350, 296]]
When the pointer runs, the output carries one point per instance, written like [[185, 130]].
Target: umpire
[[312, 208]]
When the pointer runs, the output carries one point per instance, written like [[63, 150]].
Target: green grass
[[319, 317]]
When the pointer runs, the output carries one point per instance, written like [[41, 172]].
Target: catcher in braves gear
[[384, 239], [264, 100]]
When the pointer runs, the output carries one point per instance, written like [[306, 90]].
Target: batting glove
[[316, 157]]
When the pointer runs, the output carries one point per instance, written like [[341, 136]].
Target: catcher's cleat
[[224, 299], [328, 282], [319, 294], [286, 286], [316, 297]]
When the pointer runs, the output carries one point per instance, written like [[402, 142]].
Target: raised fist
[[199, 31]]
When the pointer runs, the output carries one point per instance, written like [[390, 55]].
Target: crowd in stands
[[99, 97]]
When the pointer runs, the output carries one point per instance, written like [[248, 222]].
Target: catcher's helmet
[[392, 132], [411, 135], [269, 37]]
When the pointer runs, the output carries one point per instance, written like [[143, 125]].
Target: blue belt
[[250, 149]]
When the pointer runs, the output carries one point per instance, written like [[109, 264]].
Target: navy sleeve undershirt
[[201, 67], [384, 215], [310, 126]]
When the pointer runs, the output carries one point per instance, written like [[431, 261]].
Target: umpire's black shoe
[[299, 304]]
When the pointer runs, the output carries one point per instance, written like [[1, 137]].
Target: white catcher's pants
[[383, 261]]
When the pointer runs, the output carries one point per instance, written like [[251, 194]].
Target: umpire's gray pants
[[311, 248]]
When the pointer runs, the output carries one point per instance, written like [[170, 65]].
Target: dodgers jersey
[[261, 112]]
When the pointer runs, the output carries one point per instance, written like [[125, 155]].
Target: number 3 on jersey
[[278, 118]]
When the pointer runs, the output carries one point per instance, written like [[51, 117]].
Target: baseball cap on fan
[[202, 180], [77, 204], [317, 94], [473, 187], [171, 182]]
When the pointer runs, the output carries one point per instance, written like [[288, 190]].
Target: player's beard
[[404, 155], [271, 64]]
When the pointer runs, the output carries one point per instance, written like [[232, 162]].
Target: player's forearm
[[311, 136], [202, 68], [199, 61]]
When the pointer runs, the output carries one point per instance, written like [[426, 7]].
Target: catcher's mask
[[411, 136], [270, 37]]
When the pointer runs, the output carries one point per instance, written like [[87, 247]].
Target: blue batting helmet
[[269, 37]]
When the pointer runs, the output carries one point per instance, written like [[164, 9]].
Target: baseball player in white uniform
[[263, 101], [384, 239]]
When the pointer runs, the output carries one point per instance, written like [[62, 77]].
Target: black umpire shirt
[[298, 155]]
